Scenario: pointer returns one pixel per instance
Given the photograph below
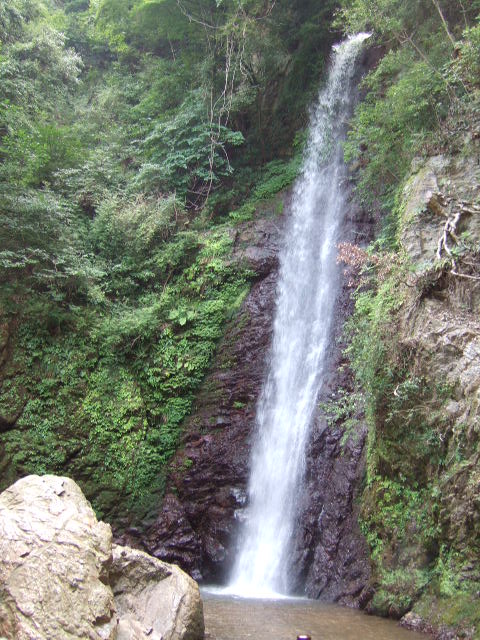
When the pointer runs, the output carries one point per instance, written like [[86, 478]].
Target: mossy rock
[[459, 612]]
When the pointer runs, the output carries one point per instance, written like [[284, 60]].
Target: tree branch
[[444, 22]]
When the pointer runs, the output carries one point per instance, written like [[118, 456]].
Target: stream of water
[[307, 290]]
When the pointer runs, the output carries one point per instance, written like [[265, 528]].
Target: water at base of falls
[[306, 295], [242, 619]]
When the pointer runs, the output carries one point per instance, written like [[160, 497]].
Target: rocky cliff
[[206, 488], [421, 508]]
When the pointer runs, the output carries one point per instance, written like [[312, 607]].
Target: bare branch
[[464, 11], [192, 18], [463, 275], [444, 22]]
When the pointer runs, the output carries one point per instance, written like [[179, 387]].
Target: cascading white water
[[307, 289]]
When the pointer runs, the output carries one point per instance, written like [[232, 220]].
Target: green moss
[[398, 592], [276, 176], [265, 187], [103, 397], [459, 611], [243, 213]]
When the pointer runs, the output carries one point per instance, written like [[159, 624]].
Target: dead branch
[[450, 230], [464, 275], [444, 22]]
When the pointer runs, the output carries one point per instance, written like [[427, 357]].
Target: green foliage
[[416, 86], [262, 188], [39, 248], [132, 227], [187, 153], [37, 75], [398, 592], [399, 524], [372, 331], [276, 176], [36, 69], [466, 65], [344, 411], [116, 389], [395, 511], [243, 213], [452, 597], [390, 125], [399, 20], [32, 155]]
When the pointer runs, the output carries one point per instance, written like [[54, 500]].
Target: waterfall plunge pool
[[233, 618]]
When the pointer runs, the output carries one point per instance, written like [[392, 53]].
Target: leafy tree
[[128, 132], [187, 153], [37, 75], [412, 91]]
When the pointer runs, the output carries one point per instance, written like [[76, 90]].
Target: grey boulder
[[154, 600], [60, 577]]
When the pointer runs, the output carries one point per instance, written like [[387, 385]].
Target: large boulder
[[154, 600], [54, 561], [60, 580]]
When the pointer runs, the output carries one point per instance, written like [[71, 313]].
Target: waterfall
[[307, 289]]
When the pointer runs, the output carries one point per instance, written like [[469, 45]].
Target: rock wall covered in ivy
[[421, 508]]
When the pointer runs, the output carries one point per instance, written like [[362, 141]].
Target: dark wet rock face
[[207, 482], [206, 492], [330, 560]]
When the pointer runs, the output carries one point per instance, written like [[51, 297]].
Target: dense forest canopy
[[151, 100], [134, 135]]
